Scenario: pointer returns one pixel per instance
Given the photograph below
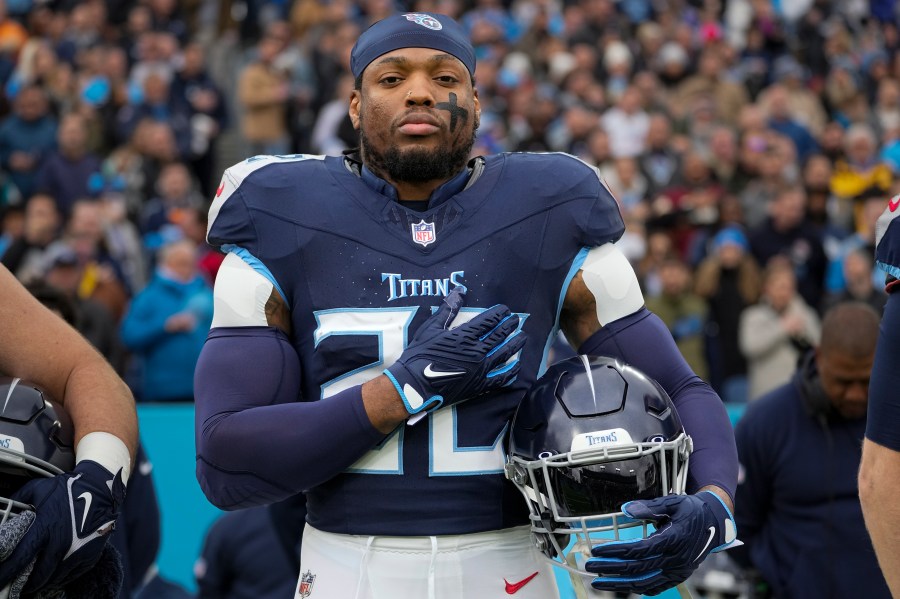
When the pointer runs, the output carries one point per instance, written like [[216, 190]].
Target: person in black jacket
[[797, 505]]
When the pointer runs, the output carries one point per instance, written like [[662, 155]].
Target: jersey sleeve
[[887, 243]]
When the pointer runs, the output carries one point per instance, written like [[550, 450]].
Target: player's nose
[[419, 91]]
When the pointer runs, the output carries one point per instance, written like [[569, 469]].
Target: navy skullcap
[[412, 30]]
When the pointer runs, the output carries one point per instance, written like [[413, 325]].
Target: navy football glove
[[443, 366], [689, 527], [75, 513]]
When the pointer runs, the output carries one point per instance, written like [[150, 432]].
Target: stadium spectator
[[67, 172], [194, 88], [787, 233], [777, 331], [730, 280], [263, 91], [41, 227], [26, 137], [102, 275], [166, 325], [62, 274], [175, 192], [684, 313], [858, 284], [659, 163]]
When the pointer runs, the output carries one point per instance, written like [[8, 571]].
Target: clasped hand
[[688, 528]]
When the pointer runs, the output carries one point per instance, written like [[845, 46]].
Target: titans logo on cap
[[412, 30], [424, 20]]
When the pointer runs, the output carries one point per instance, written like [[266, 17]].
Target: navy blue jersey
[[360, 273]]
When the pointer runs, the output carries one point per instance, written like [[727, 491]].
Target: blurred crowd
[[751, 145]]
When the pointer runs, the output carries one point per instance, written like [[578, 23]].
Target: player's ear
[[354, 108]]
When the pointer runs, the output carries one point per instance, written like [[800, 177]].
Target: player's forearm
[[41, 348], [721, 493], [383, 405], [251, 430], [879, 484]]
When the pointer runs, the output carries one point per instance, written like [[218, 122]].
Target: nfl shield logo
[[306, 584], [424, 20], [423, 233]]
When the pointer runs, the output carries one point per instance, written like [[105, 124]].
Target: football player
[[380, 315], [879, 474], [76, 510]]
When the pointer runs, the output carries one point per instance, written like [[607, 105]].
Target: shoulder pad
[[235, 175]]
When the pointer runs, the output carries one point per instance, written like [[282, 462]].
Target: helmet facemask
[[575, 498]]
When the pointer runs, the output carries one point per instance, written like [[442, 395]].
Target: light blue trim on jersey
[[894, 271], [254, 263], [576, 266], [457, 448], [410, 313]]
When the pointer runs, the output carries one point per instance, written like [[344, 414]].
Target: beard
[[417, 165]]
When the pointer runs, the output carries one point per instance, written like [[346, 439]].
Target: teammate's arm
[[40, 347], [879, 475], [603, 313]]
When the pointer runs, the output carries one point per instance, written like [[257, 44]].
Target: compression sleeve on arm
[[256, 442], [884, 401], [642, 340]]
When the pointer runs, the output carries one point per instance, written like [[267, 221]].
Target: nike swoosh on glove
[[689, 527], [75, 511], [443, 366]]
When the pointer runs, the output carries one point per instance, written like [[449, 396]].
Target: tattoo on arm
[[277, 314], [578, 317]]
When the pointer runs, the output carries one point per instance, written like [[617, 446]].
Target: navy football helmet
[[592, 434], [36, 440]]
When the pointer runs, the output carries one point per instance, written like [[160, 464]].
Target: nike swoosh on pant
[[513, 587], [712, 532]]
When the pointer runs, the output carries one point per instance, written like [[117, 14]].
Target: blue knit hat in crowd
[[731, 236], [412, 30]]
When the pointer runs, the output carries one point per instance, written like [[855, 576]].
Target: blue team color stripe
[[254, 263], [576, 266], [894, 271]]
